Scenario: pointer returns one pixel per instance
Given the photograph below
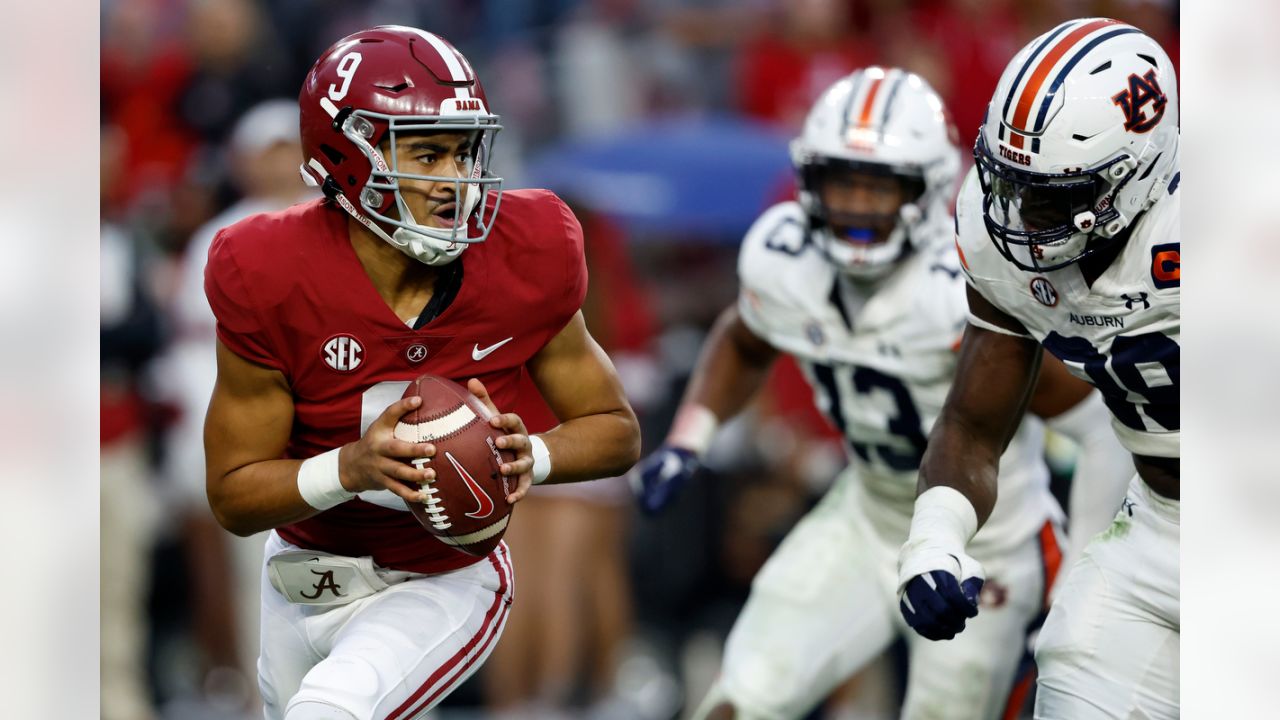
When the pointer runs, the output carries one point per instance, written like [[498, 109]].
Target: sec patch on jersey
[[467, 502]]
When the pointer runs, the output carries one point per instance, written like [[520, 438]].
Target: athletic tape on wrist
[[319, 482], [541, 459], [944, 514], [693, 429]]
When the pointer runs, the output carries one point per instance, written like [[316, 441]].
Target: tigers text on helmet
[[874, 126], [1080, 138], [379, 85]]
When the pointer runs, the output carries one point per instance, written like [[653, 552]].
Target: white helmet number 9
[[346, 70]]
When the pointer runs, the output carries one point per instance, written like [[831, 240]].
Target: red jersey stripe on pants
[[494, 620]]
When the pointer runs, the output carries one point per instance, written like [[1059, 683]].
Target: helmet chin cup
[[426, 249], [870, 262]]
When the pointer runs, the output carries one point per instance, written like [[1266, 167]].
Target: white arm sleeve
[[1103, 470], [979, 322]]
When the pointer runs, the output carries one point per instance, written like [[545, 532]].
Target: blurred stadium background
[[664, 122]]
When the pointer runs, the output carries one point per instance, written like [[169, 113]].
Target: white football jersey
[[880, 360], [1121, 334]]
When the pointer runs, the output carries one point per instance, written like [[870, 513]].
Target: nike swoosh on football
[[478, 354]]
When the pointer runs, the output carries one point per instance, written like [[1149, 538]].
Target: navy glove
[[658, 478], [935, 605]]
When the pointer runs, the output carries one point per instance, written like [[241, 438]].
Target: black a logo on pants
[[326, 582]]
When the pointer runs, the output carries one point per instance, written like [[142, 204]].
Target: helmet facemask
[[1046, 221], [864, 244], [473, 214]]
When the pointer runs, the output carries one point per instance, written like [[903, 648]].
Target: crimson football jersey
[[289, 293]]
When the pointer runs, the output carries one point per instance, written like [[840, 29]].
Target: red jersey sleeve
[[240, 323], [575, 278]]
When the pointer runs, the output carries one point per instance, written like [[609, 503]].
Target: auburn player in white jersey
[[860, 282], [1069, 236]]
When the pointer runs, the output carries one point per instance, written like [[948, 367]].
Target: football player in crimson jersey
[[860, 282], [1069, 233], [414, 262]]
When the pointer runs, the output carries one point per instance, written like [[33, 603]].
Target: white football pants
[[1110, 646], [390, 656]]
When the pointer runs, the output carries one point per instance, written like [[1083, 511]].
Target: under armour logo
[[1129, 301], [326, 583], [1127, 506]]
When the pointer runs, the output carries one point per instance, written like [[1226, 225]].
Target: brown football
[[467, 506]]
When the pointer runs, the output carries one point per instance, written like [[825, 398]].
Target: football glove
[[658, 478], [938, 588]]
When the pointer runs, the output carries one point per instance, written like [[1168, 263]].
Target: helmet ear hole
[[332, 154]]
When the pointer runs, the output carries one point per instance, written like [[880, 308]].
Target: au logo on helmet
[[1142, 90]]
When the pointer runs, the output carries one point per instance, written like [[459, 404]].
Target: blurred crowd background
[[664, 123]]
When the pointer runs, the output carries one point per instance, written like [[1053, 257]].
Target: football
[[467, 502]]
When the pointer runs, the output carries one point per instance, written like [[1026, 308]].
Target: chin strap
[[420, 246]]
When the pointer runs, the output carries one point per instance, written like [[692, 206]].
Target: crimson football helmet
[[380, 84], [1080, 138]]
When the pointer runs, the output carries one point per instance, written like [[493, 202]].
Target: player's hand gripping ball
[[466, 504]]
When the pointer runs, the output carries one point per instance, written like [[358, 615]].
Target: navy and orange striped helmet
[[1080, 138], [877, 123]]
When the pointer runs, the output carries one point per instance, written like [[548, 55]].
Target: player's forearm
[[593, 446], [259, 496], [730, 370], [963, 460], [995, 374]]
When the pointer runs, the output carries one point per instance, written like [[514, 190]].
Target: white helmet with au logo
[[1080, 138], [887, 130]]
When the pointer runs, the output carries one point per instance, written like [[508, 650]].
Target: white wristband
[[942, 525], [541, 459], [693, 429], [319, 483], [944, 515]]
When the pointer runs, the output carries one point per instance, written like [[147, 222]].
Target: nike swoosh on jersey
[[478, 354]]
